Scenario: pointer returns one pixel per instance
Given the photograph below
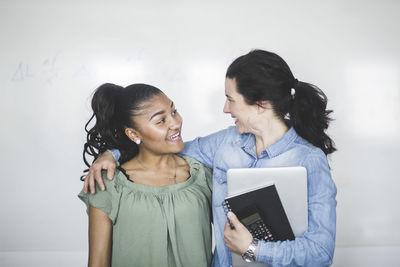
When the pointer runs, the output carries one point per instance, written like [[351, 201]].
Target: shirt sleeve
[[116, 153], [203, 149], [208, 173], [317, 245], [107, 200]]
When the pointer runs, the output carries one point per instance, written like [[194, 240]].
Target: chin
[[177, 148], [239, 130]]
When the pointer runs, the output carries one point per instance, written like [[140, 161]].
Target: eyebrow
[[160, 112]]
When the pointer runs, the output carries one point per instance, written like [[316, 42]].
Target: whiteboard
[[53, 54]]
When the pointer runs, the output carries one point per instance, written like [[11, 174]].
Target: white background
[[53, 54]]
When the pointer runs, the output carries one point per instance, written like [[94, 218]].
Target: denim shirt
[[228, 149]]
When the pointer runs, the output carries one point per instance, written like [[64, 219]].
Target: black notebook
[[261, 211]]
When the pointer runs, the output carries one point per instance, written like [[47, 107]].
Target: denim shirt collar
[[247, 143]]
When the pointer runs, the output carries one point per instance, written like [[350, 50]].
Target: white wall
[[53, 54]]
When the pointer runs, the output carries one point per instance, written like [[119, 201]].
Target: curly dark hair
[[114, 108]]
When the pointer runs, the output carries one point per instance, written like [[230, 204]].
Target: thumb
[[110, 172], [233, 219]]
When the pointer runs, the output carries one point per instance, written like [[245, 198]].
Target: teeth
[[175, 135]]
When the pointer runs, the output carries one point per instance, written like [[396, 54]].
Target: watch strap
[[250, 254]]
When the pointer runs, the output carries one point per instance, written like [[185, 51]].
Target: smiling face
[[158, 126], [235, 104]]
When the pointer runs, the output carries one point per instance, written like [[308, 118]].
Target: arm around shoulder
[[204, 148]]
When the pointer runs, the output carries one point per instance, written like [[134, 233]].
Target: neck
[[152, 169], [154, 162], [269, 134]]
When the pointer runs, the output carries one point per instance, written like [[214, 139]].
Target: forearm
[[116, 153], [99, 256], [316, 247], [204, 148], [300, 252], [193, 149]]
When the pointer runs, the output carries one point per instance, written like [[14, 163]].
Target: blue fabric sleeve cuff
[[265, 252], [116, 154]]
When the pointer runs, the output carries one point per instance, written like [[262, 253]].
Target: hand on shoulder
[[105, 161]]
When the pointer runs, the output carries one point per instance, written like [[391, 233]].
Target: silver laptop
[[291, 184]]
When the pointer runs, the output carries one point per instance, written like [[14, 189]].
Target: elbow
[[321, 255], [324, 259], [311, 253]]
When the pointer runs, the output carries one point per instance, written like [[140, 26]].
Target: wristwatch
[[250, 254]]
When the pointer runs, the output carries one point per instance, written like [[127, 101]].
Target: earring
[[137, 141]]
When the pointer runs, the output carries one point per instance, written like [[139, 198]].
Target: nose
[[176, 122], [226, 107]]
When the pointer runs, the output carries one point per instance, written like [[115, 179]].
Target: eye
[[161, 121], [174, 112]]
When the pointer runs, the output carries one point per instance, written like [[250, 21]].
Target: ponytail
[[309, 116], [113, 108]]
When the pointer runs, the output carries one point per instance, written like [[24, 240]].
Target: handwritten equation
[[54, 69], [47, 70]]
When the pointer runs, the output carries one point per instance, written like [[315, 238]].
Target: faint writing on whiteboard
[[22, 72], [47, 70]]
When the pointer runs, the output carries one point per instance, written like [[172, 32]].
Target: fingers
[[227, 230], [111, 171], [105, 161], [90, 179], [85, 185], [88, 183], [98, 178], [231, 224], [94, 176], [237, 240], [233, 219], [227, 227]]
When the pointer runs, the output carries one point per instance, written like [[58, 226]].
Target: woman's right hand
[[105, 161]]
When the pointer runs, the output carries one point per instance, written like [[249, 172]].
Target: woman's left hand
[[238, 239]]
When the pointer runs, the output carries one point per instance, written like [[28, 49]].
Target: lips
[[175, 137]]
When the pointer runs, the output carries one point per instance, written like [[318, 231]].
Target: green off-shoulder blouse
[[158, 226]]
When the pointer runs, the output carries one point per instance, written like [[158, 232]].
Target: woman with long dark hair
[[279, 121], [156, 210]]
